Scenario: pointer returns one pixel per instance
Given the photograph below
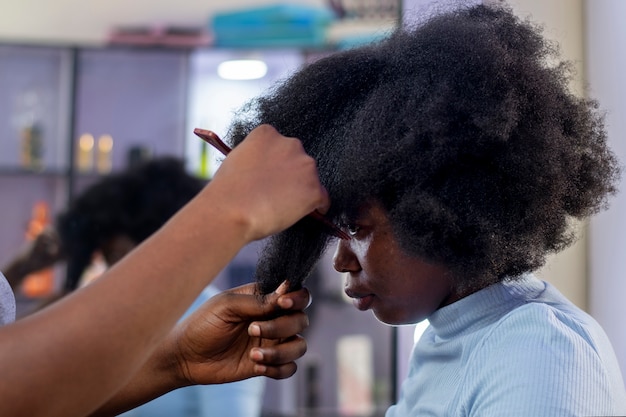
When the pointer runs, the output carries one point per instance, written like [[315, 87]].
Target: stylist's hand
[[237, 335], [268, 182]]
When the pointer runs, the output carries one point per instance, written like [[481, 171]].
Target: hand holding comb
[[212, 139]]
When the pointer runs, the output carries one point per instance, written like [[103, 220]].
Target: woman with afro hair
[[457, 159]]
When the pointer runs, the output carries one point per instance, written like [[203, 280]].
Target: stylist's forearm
[[86, 346], [156, 377], [77, 353]]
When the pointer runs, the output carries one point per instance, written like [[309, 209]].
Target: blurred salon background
[[89, 88]]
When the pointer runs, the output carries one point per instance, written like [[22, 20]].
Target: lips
[[362, 301]]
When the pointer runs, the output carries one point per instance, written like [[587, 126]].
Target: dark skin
[[242, 338], [126, 318], [398, 287], [217, 316], [245, 346]]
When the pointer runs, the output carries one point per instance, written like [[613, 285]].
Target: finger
[[282, 288], [245, 307], [251, 289], [244, 303], [248, 289], [280, 354], [280, 327], [276, 372], [295, 300], [324, 203]]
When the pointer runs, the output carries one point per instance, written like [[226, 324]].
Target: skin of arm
[[76, 354]]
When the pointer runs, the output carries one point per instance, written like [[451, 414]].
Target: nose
[[344, 259]]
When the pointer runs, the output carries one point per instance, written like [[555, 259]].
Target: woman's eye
[[352, 229]]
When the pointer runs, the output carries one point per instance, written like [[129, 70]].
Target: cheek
[[387, 267], [361, 249], [403, 306], [409, 291]]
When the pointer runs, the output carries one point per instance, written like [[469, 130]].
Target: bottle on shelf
[[103, 158], [32, 147], [203, 168], [84, 154]]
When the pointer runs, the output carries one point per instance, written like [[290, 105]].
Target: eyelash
[[352, 229]]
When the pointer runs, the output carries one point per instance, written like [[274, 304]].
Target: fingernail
[[260, 369], [256, 354], [282, 288], [285, 302], [254, 330]]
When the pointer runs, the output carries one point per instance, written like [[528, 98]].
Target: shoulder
[[537, 322], [542, 359], [549, 340]]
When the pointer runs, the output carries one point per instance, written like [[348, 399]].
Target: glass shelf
[[16, 171]]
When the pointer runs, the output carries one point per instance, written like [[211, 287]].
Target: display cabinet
[[35, 123], [69, 115]]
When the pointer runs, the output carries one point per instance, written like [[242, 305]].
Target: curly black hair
[[463, 127], [133, 203]]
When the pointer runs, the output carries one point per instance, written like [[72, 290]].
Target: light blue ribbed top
[[517, 348]]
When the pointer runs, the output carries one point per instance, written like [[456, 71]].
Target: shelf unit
[[136, 95]]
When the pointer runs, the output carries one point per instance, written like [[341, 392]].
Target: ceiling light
[[242, 69]]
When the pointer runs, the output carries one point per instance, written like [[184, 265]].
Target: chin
[[395, 319], [390, 320]]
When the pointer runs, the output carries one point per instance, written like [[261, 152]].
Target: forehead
[[370, 210]]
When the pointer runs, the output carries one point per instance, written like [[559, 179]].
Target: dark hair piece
[[133, 203]]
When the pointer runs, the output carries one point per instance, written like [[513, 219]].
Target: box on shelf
[[275, 25], [166, 36]]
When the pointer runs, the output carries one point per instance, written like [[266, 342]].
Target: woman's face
[[399, 288]]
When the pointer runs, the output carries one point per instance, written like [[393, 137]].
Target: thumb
[[246, 303]]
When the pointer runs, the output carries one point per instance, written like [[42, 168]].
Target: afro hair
[[463, 127]]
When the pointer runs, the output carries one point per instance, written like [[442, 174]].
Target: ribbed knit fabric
[[518, 348], [7, 302]]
